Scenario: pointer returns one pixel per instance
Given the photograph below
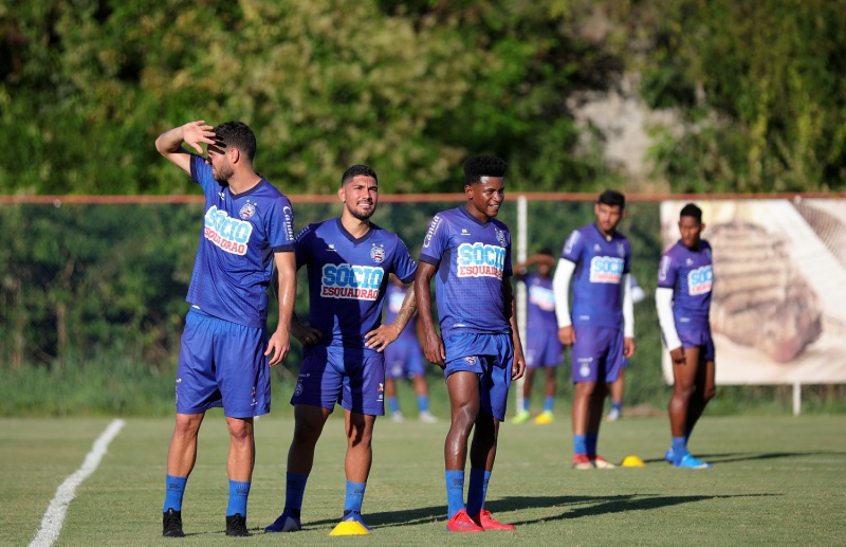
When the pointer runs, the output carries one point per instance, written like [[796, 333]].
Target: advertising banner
[[778, 310]]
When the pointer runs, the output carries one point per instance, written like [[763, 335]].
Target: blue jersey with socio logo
[[394, 299], [600, 265], [348, 277], [541, 303], [234, 260], [473, 260], [690, 273]]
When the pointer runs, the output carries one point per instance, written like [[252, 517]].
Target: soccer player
[[479, 345], [543, 349], [597, 257], [404, 359], [248, 229], [617, 387], [683, 299], [348, 260]]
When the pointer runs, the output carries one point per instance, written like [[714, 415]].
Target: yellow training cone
[[349, 528], [632, 461]]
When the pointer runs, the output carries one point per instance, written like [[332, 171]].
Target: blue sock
[[355, 497], [423, 403], [455, 491], [238, 493], [679, 449], [295, 484], [579, 444], [393, 404], [477, 491], [525, 404], [591, 439], [548, 403], [174, 490], [617, 406]]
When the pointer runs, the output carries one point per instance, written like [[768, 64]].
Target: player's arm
[[561, 290], [433, 346], [380, 337], [280, 341], [169, 143], [628, 316], [664, 306], [518, 367]]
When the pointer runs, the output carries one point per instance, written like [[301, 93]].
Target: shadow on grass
[[727, 457], [571, 507]]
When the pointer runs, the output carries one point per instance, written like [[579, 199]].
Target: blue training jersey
[[600, 265], [234, 260], [348, 278], [690, 273], [541, 303], [395, 297], [473, 260]]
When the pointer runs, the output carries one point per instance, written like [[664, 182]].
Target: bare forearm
[[407, 310], [170, 141]]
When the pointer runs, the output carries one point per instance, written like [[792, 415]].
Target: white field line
[[51, 523]]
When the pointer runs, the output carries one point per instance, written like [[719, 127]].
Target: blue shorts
[[490, 356], [222, 364], [353, 378], [597, 354], [697, 336], [404, 358], [543, 349]]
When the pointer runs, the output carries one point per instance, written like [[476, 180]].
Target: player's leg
[[416, 370], [244, 380], [391, 397], [523, 413], [359, 458], [493, 388], [546, 416], [595, 410], [318, 387], [196, 391], [463, 391], [684, 385], [239, 466], [705, 390], [616, 388], [181, 456], [582, 397]]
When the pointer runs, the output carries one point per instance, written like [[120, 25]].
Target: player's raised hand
[[567, 335], [628, 347], [677, 355], [194, 133], [433, 348], [380, 337], [278, 346]]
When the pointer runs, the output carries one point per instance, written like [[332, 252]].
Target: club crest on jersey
[[480, 260], [351, 281], [699, 281], [621, 249], [247, 210], [500, 236], [606, 269], [229, 234], [471, 359], [377, 252]]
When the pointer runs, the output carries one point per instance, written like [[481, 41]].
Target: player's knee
[[683, 391], [187, 425]]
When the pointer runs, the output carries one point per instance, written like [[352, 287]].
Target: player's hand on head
[[194, 133], [380, 337]]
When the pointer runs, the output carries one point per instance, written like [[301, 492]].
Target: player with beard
[[225, 351], [348, 260], [479, 346], [601, 330]]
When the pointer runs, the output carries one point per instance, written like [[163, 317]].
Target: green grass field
[[779, 480]]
